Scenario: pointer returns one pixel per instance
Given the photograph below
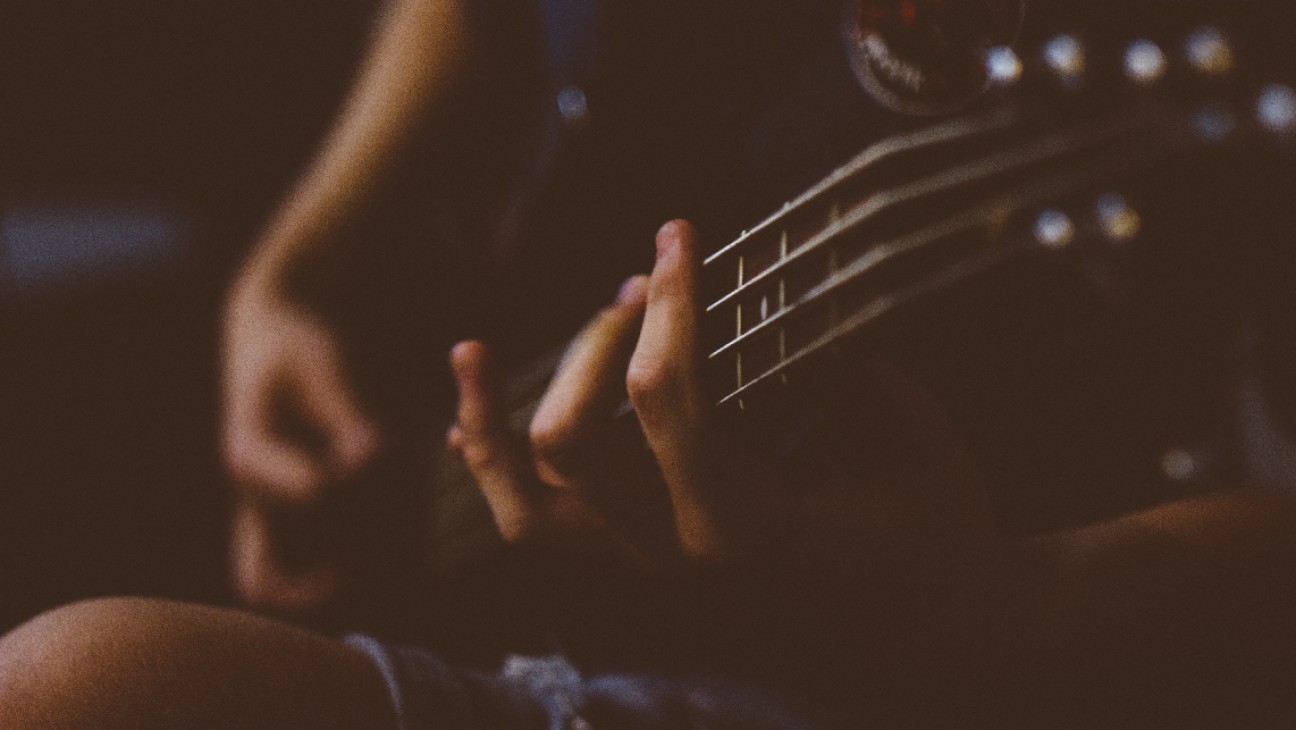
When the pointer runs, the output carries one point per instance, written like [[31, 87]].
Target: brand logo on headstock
[[926, 57]]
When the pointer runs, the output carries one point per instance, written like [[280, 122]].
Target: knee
[[64, 663], [134, 663]]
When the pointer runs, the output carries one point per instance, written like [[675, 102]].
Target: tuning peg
[[1003, 66], [1145, 62], [1065, 55], [1054, 229], [573, 107], [1180, 465], [1276, 109], [1210, 52], [1215, 122], [1118, 220]]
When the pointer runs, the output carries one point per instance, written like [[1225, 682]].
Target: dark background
[[142, 143], [179, 124]]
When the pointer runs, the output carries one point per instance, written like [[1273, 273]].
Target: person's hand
[[555, 482], [896, 567], [292, 426]]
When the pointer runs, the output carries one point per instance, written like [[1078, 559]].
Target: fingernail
[[668, 238], [634, 290], [665, 243]]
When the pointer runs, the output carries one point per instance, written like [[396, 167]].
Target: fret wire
[[948, 276], [834, 263], [960, 270], [1028, 194], [834, 304], [738, 316], [1043, 149], [878, 255], [782, 343], [782, 294]]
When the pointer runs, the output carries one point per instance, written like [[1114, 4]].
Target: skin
[[1155, 619], [1166, 595], [129, 663], [277, 351]]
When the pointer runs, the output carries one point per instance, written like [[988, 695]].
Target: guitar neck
[[1032, 174], [1032, 170], [905, 220]]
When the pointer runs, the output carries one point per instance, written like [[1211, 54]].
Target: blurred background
[[143, 144]]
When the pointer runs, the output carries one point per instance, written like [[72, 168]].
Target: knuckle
[[649, 384], [551, 443], [482, 454]]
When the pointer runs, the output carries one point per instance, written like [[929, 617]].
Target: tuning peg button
[[1210, 52], [1215, 122], [1145, 62], [1003, 66], [1054, 229], [1276, 109], [573, 107], [1066, 57], [1119, 221], [1180, 465]]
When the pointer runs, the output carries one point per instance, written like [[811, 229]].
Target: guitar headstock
[[1103, 126], [1222, 63], [1216, 78]]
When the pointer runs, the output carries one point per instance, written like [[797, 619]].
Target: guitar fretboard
[[922, 212]]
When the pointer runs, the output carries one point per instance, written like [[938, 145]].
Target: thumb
[[329, 403], [252, 449]]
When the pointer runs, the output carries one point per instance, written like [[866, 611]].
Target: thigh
[[131, 663]]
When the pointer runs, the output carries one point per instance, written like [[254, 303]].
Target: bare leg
[[131, 663]]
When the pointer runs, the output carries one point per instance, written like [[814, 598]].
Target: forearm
[[418, 54]]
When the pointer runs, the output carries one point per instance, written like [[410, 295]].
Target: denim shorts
[[548, 693]]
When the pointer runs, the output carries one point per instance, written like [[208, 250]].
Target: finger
[[256, 455], [495, 457], [587, 385], [664, 385], [328, 401], [258, 576], [662, 378]]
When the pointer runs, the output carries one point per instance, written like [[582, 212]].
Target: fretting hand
[[549, 484]]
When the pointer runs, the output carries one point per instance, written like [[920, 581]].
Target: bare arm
[[419, 52], [278, 353]]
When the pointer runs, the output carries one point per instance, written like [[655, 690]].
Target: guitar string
[[870, 159], [1057, 145], [878, 255], [943, 279], [862, 163], [1011, 202]]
